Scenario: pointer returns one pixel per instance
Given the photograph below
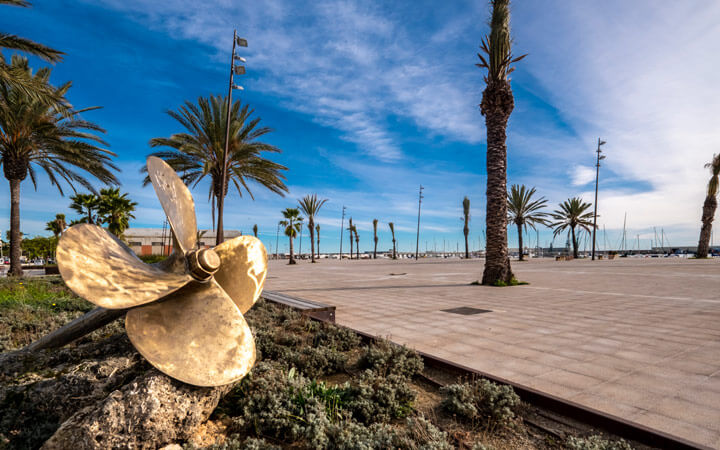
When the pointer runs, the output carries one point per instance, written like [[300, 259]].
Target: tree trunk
[[318, 245], [292, 259], [15, 236], [705, 232], [357, 249], [351, 246], [575, 244], [520, 242], [394, 255], [311, 227], [466, 231], [496, 106], [375, 249]]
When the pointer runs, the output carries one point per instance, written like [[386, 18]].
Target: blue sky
[[371, 99]]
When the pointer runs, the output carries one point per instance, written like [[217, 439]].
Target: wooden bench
[[319, 311]]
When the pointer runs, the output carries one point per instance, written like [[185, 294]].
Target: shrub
[[386, 358], [379, 398], [596, 443], [481, 399]]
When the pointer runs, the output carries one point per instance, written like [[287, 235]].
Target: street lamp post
[[342, 225], [234, 70], [600, 157], [417, 241]]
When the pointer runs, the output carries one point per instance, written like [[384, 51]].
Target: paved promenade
[[636, 338]]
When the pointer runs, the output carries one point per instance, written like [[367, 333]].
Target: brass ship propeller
[[186, 313]]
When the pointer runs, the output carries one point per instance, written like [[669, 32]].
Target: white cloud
[[582, 175]]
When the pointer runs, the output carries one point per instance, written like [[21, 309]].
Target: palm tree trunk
[[497, 104], [357, 249], [311, 227], [394, 255], [375, 249], [520, 242], [292, 259], [709, 208], [466, 231], [318, 245], [15, 265], [575, 244], [351, 246]]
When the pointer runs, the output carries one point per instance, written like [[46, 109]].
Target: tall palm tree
[[115, 210], [86, 205], [255, 230], [524, 211], [392, 230], [310, 205], [198, 152], [293, 225], [38, 134], [709, 207], [573, 213], [497, 105], [375, 224], [57, 226], [350, 229], [357, 243], [18, 79], [466, 226], [317, 231]]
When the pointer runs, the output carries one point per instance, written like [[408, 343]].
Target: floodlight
[[239, 70], [239, 58], [241, 42], [238, 87]]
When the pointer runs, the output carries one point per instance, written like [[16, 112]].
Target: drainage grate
[[466, 311]]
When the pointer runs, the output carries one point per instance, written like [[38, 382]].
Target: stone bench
[[319, 311]]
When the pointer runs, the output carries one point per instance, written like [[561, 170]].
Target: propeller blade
[[197, 335], [243, 268], [102, 269], [176, 201]]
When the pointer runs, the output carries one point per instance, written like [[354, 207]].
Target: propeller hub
[[203, 263]]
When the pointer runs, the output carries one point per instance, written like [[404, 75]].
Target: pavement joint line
[[619, 294]]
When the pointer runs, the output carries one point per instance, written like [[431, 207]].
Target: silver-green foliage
[[481, 400], [596, 443]]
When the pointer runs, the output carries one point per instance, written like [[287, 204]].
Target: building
[[158, 241]]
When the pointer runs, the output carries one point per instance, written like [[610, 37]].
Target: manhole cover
[[466, 311]]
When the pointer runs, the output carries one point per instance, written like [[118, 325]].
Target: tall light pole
[[342, 225], [277, 239], [417, 241], [234, 70], [600, 157]]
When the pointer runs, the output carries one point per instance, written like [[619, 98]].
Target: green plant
[[152, 259], [378, 398], [310, 205], [481, 399], [524, 211], [198, 152], [386, 358], [573, 213], [292, 222], [595, 443]]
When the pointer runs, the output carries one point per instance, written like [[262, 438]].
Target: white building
[[156, 241]]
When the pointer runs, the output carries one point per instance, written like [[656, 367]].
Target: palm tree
[[86, 205], [40, 134], [255, 230], [375, 224], [317, 231], [709, 207], [293, 225], [392, 230], [57, 226], [497, 105], [310, 205], [357, 243], [524, 211], [115, 210], [198, 152], [18, 79], [573, 213], [350, 229], [466, 227]]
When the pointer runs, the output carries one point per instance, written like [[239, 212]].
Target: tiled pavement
[[636, 338]]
